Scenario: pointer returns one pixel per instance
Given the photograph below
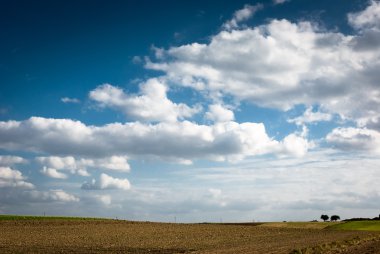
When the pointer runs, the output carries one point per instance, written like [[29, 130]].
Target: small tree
[[335, 217], [324, 217]]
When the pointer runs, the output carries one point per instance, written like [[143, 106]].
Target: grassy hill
[[370, 225]]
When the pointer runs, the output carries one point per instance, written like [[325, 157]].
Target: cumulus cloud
[[178, 141], [79, 165], [241, 15], [118, 163], [366, 19], [54, 163], [53, 173], [70, 100], [107, 182], [13, 178], [355, 139], [8, 160], [309, 117], [296, 145], [329, 69], [219, 113], [151, 105]]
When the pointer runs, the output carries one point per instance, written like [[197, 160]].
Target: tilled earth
[[113, 236]]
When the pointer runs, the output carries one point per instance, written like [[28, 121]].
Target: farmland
[[86, 235]]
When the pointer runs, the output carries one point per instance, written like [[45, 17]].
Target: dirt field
[[112, 236]]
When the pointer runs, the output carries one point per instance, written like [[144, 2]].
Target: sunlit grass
[[370, 225]]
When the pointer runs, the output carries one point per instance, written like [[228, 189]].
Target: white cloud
[[118, 163], [309, 117], [327, 68], [54, 163], [355, 139], [70, 100], [13, 178], [218, 113], [151, 104], [53, 173], [107, 182], [79, 165], [368, 18], [104, 199], [296, 145], [50, 196], [241, 15], [280, 1], [182, 141], [8, 160], [67, 162]]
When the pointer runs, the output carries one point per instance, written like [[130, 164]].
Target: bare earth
[[112, 236]]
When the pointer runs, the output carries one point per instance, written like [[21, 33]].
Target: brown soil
[[365, 247], [112, 236]]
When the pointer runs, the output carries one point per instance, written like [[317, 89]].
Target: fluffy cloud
[[296, 145], [218, 113], [8, 160], [54, 163], [13, 178], [368, 18], [16, 190], [327, 68], [178, 141], [355, 139], [309, 117], [118, 163], [53, 173], [241, 15], [79, 165], [107, 182], [151, 104]]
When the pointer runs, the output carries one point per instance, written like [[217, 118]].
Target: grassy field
[[370, 225], [88, 235]]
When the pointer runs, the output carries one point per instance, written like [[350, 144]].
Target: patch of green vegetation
[[31, 217], [370, 225]]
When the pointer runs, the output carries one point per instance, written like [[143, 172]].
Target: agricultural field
[[91, 235]]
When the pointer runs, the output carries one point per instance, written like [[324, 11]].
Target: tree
[[324, 217], [335, 217]]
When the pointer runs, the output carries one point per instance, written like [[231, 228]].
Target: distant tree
[[324, 217], [335, 217]]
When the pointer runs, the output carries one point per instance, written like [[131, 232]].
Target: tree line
[[325, 217]]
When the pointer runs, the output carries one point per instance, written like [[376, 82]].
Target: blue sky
[[237, 111]]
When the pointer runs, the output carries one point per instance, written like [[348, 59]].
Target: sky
[[190, 111]]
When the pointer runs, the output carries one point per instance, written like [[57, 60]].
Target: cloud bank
[[283, 64], [178, 140]]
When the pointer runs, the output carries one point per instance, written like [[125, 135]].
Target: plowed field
[[115, 236]]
